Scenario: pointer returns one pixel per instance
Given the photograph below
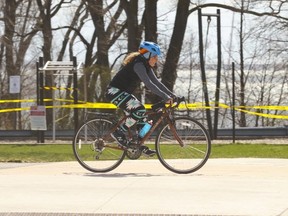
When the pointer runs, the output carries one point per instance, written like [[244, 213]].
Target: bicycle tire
[[94, 150], [195, 152]]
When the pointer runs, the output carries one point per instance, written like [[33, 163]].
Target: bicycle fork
[[174, 132]]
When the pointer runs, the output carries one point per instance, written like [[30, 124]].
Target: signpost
[[14, 85], [38, 118]]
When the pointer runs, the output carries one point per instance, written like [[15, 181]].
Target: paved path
[[222, 187]]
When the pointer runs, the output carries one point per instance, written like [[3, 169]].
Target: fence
[[225, 134]]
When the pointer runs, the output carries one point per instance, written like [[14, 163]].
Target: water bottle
[[145, 129]]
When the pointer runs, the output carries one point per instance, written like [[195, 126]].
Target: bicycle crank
[[133, 152]]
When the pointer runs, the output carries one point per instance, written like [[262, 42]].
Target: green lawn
[[36, 153], [249, 151], [64, 152]]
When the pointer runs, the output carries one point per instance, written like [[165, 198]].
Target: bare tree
[[46, 12], [14, 46], [99, 74], [169, 73], [271, 8]]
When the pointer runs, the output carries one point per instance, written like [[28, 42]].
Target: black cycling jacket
[[129, 77]]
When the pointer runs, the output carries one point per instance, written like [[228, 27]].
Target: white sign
[[38, 118], [14, 84]]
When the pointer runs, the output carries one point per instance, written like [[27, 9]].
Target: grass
[[249, 151], [64, 152], [36, 153]]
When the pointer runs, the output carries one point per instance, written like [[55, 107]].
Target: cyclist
[[137, 67]]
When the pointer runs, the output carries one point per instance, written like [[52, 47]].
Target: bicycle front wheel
[[95, 149], [189, 156]]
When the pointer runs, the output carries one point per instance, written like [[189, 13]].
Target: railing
[[243, 133]]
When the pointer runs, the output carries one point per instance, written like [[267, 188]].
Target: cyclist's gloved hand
[[178, 100]]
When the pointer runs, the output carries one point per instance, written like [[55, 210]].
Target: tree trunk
[[169, 73], [151, 20], [134, 36], [45, 15], [101, 73], [9, 21]]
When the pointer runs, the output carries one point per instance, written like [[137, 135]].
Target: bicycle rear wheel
[[192, 155], [94, 149]]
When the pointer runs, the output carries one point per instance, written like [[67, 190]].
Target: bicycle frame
[[165, 114]]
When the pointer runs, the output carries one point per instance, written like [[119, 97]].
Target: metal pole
[[233, 102], [37, 94], [41, 84], [218, 78], [37, 83], [203, 74], [41, 92], [75, 92], [53, 113]]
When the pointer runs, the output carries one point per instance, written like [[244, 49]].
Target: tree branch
[[77, 31], [238, 10]]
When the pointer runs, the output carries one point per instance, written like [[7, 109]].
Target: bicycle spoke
[[94, 150], [190, 157]]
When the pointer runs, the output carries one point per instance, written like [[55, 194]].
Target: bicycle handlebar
[[157, 106], [179, 100]]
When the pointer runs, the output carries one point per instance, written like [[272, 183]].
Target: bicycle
[[183, 145]]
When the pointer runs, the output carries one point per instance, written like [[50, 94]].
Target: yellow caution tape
[[199, 105], [264, 114], [14, 109], [58, 88], [25, 101], [17, 101]]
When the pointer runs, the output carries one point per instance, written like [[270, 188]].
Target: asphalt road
[[143, 187]]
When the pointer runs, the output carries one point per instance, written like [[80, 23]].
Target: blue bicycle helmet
[[149, 49]]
